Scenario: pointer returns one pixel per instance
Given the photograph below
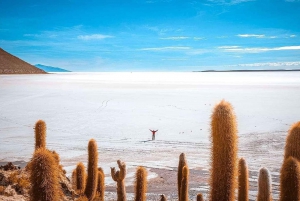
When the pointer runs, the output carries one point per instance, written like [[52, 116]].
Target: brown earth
[[10, 64]]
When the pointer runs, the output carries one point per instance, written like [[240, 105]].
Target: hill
[[50, 68], [10, 64]]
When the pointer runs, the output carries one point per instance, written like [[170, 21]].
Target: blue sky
[[153, 35]]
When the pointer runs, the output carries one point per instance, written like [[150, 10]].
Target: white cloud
[[255, 36], [198, 38], [175, 38], [271, 64], [171, 48], [229, 2], [257, 49], [94, 37], [251, 35], [293, 36]]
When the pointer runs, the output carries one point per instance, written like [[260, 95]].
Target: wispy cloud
[[228, 2], [198, 38], [175, 38], [94, 37], [251, 35], [293, 36], [271, 64], [257, 49], [171, 48]]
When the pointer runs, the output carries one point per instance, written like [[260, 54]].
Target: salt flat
[[118, 109]]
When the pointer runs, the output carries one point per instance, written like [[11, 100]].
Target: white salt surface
[[118, 109]]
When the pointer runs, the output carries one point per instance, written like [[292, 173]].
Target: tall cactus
[[44, 177], [80, 178], [101, 186], [182, 163], [74, 180], [91, 185], [290, 180], [184, 191], [223, 153], [119, 177], [40, 134], [140, 184], [243, 181], [199, 197], [264, 185], [292, 145], [163, 197]]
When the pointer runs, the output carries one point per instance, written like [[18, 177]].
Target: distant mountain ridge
[[10, 64], [50, 68]]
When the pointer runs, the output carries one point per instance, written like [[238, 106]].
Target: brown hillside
[[10, 64]]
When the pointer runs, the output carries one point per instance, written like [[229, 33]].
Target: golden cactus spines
[[199, 197], [223, 153], [82, 198], [243, 181], [74, 180], [40, 134], [101, 184], [44, 177], [119, 177], [290, 180], [181, 164], [80, 178], [292, 145], [184, 191], [163, 197], [140, 184], [264, 185], [92, 177]]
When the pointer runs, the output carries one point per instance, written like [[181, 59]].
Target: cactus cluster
[[228, 175]]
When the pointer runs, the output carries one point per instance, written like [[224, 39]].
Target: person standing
[[153, 133]]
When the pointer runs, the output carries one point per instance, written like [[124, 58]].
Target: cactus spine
[[184, 193], [290, 180], [163, 197], [182, 163], [80, 178], [44, 177], [264, 185], [40, 134], [223, 153], [119, 177], [74, 178], [101, 186], [199, 197], [243, 181], [292, 146], [91, 185], [140, 184]]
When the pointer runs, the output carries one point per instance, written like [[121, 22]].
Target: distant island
[[10, 64], [50, 69], [275, 70]]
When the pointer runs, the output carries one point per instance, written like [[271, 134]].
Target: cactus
[[92, 177], [163, 197], [264, 185], [119, 177], [292, 146], [74, 178], [44, 177], [101, 186], [80, 178], [184, 193], [223, 153], [182, 163], [199, 197], [82, 198], [243, 181], [40, 134], [140, 184], [290, 180]]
